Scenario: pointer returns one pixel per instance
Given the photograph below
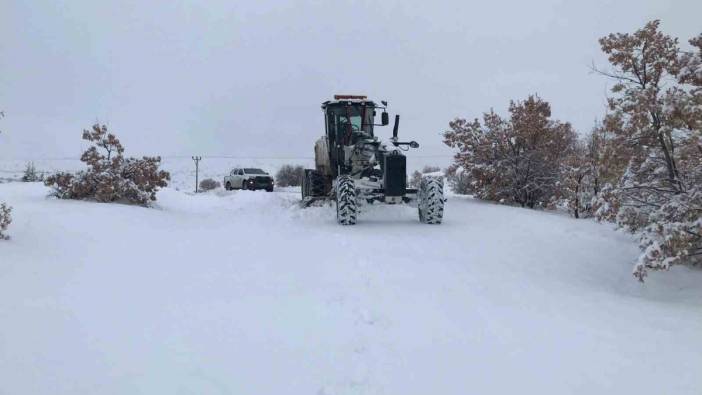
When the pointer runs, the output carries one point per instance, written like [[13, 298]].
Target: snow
[[246, 293]]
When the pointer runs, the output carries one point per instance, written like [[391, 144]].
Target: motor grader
[[354, 167]]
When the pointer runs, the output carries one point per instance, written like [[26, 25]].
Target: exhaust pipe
[[394, 128]]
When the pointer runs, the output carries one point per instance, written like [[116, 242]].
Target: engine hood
[[253, 176]]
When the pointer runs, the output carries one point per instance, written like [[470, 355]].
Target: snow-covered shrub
[[64, 186], [416, 177], [30, 173], [606, 204], [672, 234], [575, 185], [459, 180], [655, 117], [209, 184], [289, 176], [516, 160], [5, 220], [588, 173], [110, 176]]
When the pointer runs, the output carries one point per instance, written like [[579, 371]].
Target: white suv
[[248, 178]]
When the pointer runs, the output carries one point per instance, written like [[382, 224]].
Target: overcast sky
[[246, 78]]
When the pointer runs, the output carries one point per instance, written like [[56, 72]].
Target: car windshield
[[254, 171]]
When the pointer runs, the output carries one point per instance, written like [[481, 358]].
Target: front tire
[[346, 205], [228, 186], [431, 200]]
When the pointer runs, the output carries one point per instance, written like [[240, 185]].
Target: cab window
[[345, 120]]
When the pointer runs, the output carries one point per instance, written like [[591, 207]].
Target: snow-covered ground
[[246, 293]]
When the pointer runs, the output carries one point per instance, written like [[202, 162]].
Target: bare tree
[[289, 175], [578, 182]]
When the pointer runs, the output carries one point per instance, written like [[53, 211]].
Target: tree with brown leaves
[[516, 160], [643, 63], [110, 176], [655, 118]]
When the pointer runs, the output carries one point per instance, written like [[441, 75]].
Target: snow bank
[[245, 292]]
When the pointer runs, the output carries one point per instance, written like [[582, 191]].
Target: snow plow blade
[[311, 200]]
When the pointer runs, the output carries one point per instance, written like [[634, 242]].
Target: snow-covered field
[[246, 293], [182, 169]]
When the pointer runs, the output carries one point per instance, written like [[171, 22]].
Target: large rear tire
[[431, 200], [346, 205], [312, 184]]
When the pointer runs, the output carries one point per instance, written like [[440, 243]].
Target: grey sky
[[247, 77]]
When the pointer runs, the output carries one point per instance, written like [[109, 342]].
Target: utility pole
[[197, 160]]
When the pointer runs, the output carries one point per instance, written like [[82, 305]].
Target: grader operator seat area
[[349, 118]]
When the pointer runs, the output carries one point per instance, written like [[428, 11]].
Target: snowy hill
[[245, 293]]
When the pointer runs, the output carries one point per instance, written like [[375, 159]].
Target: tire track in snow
[[359, 301]]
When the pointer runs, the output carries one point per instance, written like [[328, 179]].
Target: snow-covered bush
[[110, 176], [458, 180], [289, 176], [416, 177], [30, 173], [655, 118], [5, 220], [5, 210], [588, 173], [606, 204], [575, 186], [209, 184], [516, 160]]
